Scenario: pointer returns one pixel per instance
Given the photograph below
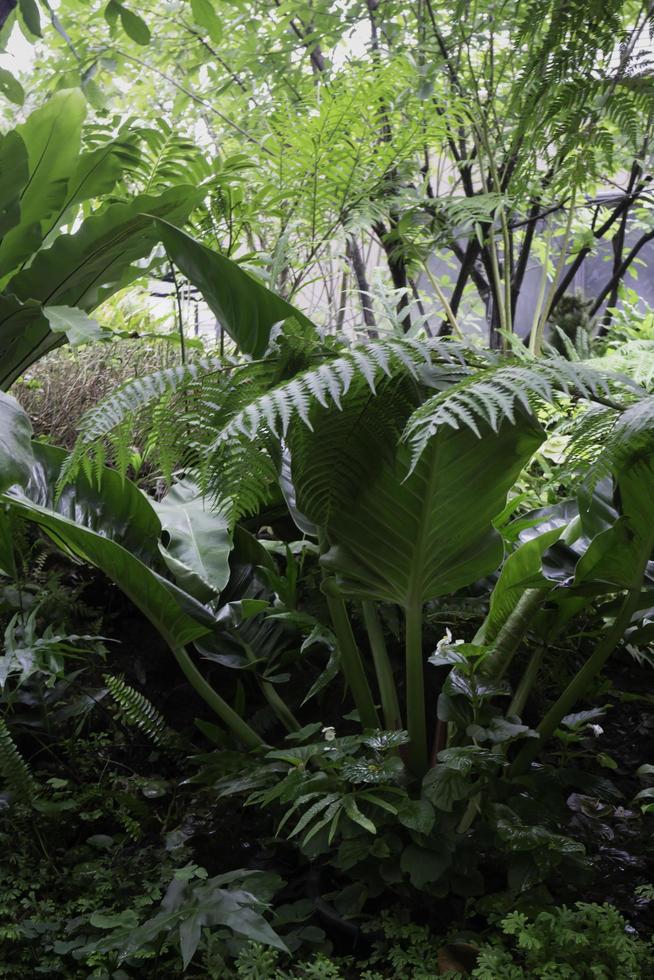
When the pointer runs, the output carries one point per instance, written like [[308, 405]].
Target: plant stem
[[351, 659], [277, 703], [509, 637], [540, 328], [527, 681], [579, 683], [238, 725], [449, 313], [415, 690], [180, 317], [279, 706], [387, 689]]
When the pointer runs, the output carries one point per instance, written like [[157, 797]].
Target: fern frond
[[108, 420], [495, 394], [328, 383], [166, 158], [136, 710], [13, 766], [241, 476], [635, 359]]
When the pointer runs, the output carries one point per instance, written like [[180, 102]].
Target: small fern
[[13, 766], [136, 710]]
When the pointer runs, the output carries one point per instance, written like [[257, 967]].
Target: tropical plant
[[51, 280], [392, 428], [486, 138]]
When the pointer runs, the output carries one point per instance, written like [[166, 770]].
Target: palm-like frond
[[493, 395], [167, 158], [328, 383]]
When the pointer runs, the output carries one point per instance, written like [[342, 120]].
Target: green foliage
[[587, 941], [13, 766], [135, 709], [53, 178]]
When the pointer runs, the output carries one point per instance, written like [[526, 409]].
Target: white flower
[[447, 641], [329, 733], [597, 730]]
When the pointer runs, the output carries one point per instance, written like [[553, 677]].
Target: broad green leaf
[[78, 327], [52, 137], [75, 269], [112, 920], [25, 336], [615, 556], [521, 570], [205, 16], [444, 787], [111, 12], [7, 557], [30, 14], [417, 815], [81, 269], [244, 307], [109, 504], [11, 88], [197, 540], [424, 866], [112, 525], [95, 174], [16, 458], [147, 590], [15, 174], [134, 26], [410, 539]]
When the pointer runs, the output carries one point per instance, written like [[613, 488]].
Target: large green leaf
[[409, 539], [95, 174], [52, 136], [11, 87], [400, 537], [613, 557], [25, 336], [81, 269], [7, 558], [197, 540], [521, 570], [15, 173], [15, 443], [108, 504], [73, 271], [147, 590], [244, 307]]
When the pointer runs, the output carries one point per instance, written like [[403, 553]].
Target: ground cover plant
[[327, 634]]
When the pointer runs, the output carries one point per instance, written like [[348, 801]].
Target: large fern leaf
[[494, 394]]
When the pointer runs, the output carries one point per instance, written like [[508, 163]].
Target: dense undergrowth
[[326, 650]]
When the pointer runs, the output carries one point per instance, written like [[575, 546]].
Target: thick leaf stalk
[[579, 684], [231, 718], [415, 691], [383, 670], [351, 659]]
